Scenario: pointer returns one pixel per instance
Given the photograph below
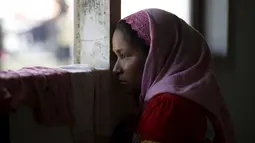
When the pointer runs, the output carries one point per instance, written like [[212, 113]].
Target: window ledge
[[96, 109]]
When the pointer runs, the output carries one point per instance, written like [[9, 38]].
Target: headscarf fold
[[179, 62]]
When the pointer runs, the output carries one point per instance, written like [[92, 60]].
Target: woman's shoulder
[[167, 99], [174, 106], [166, 113]]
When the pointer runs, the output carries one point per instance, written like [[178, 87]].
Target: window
[[40, 32], [181, 8], [216, 26], [36, 32]]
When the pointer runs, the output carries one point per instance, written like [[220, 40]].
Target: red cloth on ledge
[[48, 91]]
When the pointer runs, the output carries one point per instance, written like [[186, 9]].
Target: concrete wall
[[24, 129], [92, 32], [97, 109]]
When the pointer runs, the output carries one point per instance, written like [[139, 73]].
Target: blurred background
[[36, 32]]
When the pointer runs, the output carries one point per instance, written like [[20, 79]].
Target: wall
[[237, 82], [24, 129], [92, 29], [97, 108]]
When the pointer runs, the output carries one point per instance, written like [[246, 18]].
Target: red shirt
[[171, 119]]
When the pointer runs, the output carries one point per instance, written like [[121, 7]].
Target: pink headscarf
[[179, 62]]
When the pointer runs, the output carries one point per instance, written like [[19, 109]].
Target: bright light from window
[[36, 33], [181, 8]]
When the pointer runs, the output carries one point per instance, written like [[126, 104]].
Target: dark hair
[[131, 35]]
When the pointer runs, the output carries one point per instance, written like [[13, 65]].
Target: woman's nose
[[116, 68]]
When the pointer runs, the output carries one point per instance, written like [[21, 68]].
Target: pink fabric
[[48, 91], [179, 62]]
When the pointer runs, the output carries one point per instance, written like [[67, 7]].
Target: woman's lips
[[123, 82]]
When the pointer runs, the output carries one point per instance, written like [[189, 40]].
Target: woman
[[168, 63]]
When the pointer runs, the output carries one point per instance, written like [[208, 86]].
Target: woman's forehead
[[120, 42], [118, 36]]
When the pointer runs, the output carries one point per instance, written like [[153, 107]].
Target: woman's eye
[[122, 56]]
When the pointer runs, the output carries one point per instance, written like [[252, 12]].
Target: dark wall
[[238, 82], [4, 129]]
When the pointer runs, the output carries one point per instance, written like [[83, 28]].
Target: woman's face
[[130, 62]]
